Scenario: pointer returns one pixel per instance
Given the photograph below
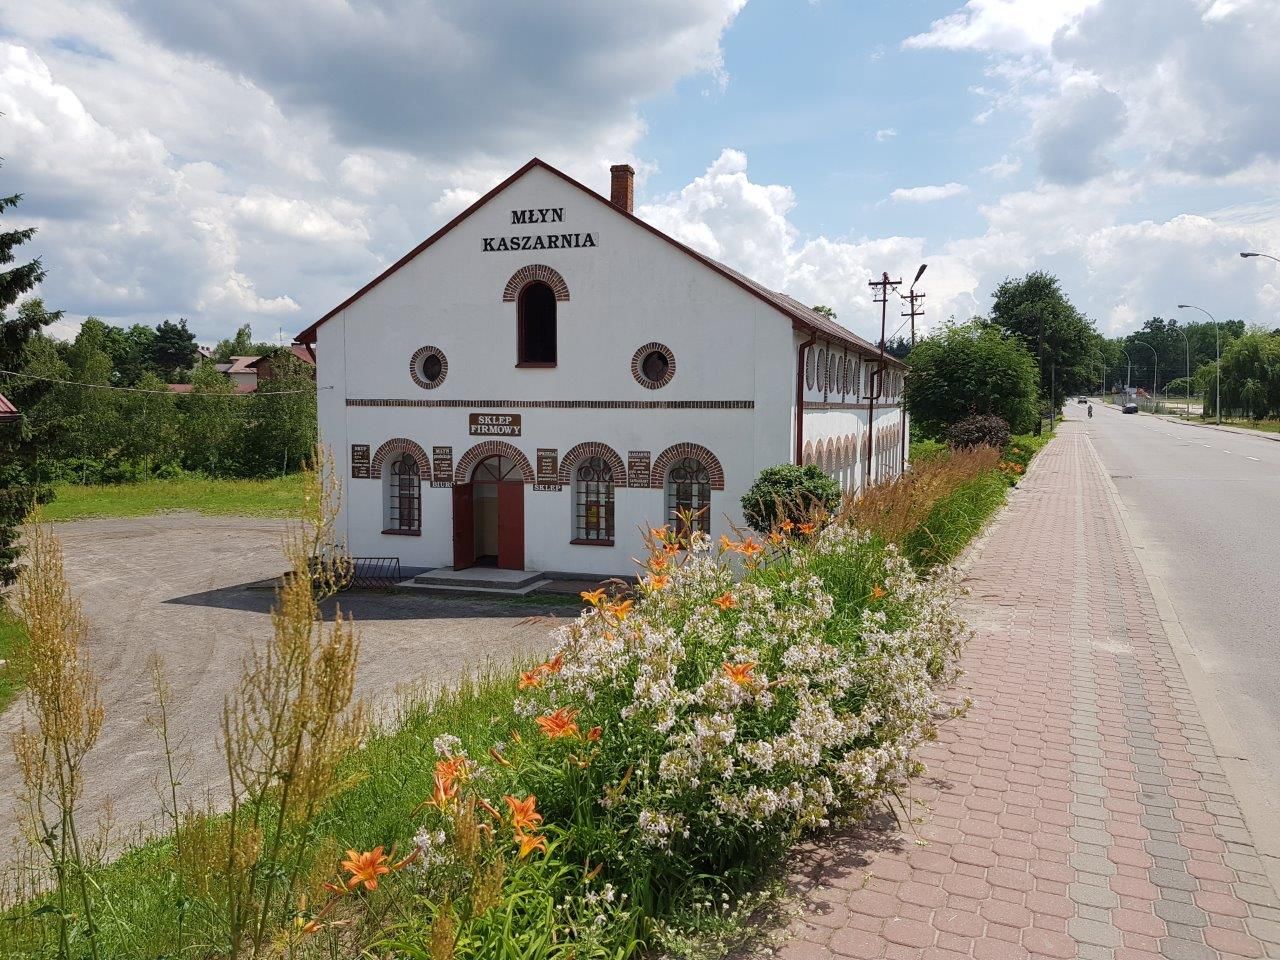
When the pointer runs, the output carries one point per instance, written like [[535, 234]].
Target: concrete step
[[495, 591], [480, 578]]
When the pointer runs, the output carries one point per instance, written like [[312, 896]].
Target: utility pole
[[912, 312], [881, 290]]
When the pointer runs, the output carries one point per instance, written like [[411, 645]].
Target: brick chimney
[[622, 186]]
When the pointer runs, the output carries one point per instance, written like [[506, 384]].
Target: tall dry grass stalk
[[62, 697], [288, 724], [896, 508]]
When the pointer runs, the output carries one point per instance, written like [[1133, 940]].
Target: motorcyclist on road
[[1090, 409]]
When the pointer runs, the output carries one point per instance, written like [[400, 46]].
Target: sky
[[244, 162]]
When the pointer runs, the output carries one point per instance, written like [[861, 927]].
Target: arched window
[[689, 493], [404, 496], [537, 336], [593, 502]]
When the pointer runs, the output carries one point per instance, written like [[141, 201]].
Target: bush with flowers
[[683, 735]]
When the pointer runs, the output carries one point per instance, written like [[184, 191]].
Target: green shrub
[[928, 451], [788, 492]]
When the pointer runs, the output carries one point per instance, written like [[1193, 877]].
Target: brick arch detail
[[593, 448], [489, 448], [536, 271], [715, 472], [393, 448]]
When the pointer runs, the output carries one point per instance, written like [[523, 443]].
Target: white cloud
[[1003, 168], [886, 134], [1014, 26], [240, 161], [929, 194]]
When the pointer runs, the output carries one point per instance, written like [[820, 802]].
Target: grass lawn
[[1265, 426], [11, 640], [277, 497]]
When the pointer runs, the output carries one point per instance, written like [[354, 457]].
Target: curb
[[1259, 818], [1238, 431]]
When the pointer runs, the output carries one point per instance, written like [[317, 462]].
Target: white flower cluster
[[746, 701]]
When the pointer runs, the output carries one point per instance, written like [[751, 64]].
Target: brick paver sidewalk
[[1078, 809]]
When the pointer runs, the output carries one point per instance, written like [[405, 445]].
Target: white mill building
[[548, 375]]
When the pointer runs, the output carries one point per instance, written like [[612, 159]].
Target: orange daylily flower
[[749, 547], [878, 592], [594, 734], [725, 601], [660, 533], [455, 768], [777, 539], [502, 761], [559, 724], [530, 678], [659, 581], [524, 813], [726, 544], [444, 792], [740, 673], [554, 664], [671, 548], [621, 609], [657, 564], [808, 528], [787, 526], [530, 842], [365, 868], [593, 597]]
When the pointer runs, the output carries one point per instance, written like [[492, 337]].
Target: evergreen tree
[[174, 348], [16, 489]]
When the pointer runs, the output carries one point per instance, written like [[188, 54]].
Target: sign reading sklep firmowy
[[494, 424]]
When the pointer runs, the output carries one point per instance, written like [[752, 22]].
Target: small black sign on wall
[[359, 461]]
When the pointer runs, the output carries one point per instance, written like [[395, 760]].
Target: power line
[[163, 393]]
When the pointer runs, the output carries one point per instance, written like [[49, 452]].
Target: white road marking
[[1206, 446], [1251, 458]]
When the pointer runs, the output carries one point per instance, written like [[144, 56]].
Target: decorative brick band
[[415, 367], [593, 448], [395, 447], [715, 472], [489, 448], [849, 405], [637, 365], [535, 271], [561, 404]]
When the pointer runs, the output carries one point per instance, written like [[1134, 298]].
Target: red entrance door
[[464, 526], [511, 525]]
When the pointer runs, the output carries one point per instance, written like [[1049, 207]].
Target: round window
[[653, 365], [428, 367]]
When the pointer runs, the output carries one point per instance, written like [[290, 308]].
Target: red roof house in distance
[[8, 411]]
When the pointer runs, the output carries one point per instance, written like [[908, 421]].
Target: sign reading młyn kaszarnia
[[494, 424], [548, 241]]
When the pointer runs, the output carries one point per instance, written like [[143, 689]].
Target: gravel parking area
[[179, 585]]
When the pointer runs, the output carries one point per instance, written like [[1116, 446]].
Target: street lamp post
[[1217, 356], [1155, 375], [1267, 255], [1127, 371], [1187, 411]]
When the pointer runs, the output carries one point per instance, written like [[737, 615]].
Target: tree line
[[1177, 360], [99, 409]]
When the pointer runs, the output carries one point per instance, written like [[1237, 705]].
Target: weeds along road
[[1206, 504], [174, 585]]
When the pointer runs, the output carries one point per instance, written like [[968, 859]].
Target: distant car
[[1082, 399], [1129, 408]]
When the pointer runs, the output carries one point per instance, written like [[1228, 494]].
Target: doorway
[[488, 516]]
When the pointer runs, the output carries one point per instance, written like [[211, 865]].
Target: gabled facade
[[548, 376]]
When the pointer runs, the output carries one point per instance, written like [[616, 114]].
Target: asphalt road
[[1207, 507], [177, 586]]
